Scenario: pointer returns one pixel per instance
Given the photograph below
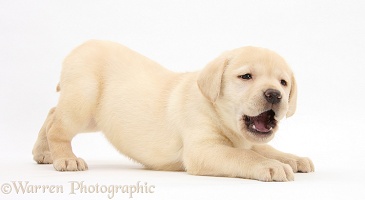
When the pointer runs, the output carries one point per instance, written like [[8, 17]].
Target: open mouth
[[262, 124]]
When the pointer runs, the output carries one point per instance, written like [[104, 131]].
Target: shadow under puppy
[[212, 122]]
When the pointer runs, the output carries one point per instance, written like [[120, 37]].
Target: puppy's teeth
[[270, 128], [254, 127]]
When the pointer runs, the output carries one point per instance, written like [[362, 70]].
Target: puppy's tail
[[58, 87]]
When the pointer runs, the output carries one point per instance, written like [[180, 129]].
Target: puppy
[[212, 122]]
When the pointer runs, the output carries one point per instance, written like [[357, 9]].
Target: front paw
[[273, 170], [70, 164], [300, 164]]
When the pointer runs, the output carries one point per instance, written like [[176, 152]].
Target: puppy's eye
[[246, 76], [283, 82]]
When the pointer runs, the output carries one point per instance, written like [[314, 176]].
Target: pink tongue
[[260, 125]]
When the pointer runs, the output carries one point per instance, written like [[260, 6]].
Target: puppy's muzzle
[[272, 96]]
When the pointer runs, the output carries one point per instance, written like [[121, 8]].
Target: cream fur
[[172, 121]]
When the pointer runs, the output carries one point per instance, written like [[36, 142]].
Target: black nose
[[272, 96]]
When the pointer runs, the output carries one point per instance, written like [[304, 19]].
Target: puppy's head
[[252, 89]]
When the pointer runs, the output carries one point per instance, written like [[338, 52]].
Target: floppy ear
[[210, 78], [292, 98]]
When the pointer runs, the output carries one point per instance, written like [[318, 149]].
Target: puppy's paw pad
[[43, 158], [70, 164]]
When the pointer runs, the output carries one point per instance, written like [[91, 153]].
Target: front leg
[[215, 157], [298, 164]]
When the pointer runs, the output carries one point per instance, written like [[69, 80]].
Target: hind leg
[[59, 139], [41, 152], [73, 115], [75, 112]]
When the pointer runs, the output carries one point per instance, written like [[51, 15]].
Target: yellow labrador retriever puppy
[[213, 122]]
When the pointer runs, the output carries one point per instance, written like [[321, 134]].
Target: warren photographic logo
[[77, 188]]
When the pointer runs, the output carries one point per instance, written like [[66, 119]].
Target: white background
[[323, 41]]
